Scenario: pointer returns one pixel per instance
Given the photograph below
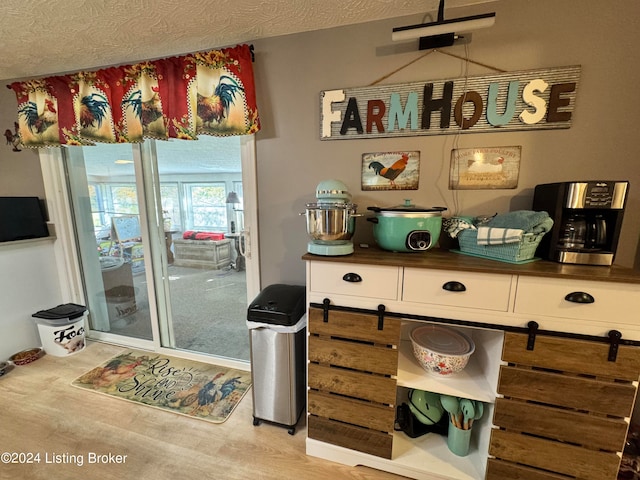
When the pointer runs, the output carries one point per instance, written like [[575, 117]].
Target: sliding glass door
[[207, 288], [158, 230], [108, 227]]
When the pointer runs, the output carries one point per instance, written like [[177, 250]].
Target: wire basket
[[508, 252]]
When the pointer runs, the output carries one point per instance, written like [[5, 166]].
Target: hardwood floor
[[41, 413]]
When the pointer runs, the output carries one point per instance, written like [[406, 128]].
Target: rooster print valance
[[206, 93]]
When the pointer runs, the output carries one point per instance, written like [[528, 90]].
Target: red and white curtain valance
[[208, 93]]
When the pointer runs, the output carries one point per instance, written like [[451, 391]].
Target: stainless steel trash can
[[277, 336]]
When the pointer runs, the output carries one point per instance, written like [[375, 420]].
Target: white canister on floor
[[62, 335]]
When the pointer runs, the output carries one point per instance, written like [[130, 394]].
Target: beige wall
[[602, 143], [292, 70]]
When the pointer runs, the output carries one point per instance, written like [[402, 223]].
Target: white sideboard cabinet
[[556, 364]]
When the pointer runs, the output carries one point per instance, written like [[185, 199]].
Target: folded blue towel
[[543, 227], [526, 220]]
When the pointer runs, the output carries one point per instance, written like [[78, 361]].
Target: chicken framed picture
[[390, 171], [484, 168]]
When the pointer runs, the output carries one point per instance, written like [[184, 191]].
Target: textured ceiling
[[44, 38]]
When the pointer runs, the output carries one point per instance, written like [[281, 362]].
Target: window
[[206, 206], [123, 199]]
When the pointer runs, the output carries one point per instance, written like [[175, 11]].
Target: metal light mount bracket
[[442, 33]]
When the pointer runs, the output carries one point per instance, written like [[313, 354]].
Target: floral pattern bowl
[[441, 350]]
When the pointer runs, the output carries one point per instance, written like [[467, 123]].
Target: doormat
[[195, 389]]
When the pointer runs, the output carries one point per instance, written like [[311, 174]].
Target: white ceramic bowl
[[441, 350]]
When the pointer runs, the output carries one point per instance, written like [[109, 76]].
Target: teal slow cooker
[[406, 228]]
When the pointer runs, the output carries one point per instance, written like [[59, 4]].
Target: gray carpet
[[208, 309]]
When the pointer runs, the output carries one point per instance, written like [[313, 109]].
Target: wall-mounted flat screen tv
[[21, 218]]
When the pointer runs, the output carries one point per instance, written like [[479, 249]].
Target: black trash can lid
[[68, 310], [278, 304]]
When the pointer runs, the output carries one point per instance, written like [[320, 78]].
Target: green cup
[[458, 440]]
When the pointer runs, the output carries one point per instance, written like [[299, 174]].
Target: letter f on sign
[[328, 115]]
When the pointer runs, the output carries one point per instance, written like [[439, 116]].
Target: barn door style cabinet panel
[[352, 385], [562, 409], [556, 364]]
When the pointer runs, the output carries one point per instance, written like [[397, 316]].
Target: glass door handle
[[243, 241]]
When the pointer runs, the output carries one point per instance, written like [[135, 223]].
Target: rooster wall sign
[[390, 171], [13, 138]]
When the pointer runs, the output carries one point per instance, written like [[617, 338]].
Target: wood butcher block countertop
[[447, 260]]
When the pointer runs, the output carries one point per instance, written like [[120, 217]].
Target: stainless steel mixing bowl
[[330, 222]]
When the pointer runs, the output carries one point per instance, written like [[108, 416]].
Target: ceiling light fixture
[[122, 162], [442, 33]]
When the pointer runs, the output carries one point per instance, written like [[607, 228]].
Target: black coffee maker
[[587, 220]]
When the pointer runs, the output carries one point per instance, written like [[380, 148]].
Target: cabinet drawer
[[481, 290], [617, 302], [372, 282]]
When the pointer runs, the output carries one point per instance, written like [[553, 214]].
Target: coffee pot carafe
[[574, 233]]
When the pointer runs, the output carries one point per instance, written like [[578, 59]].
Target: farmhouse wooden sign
[[525, 100]]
